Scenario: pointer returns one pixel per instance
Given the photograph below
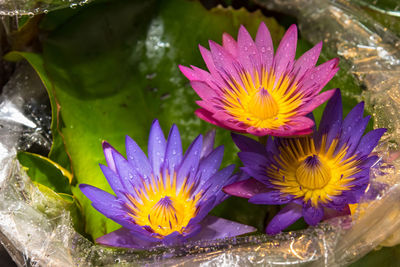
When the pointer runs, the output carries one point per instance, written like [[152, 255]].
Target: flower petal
[[190, 161], [272, 197], [286, 52], [265, 46], [247, 51], [230, 44], [210, 165], [285, 217], [307, 61], [331, 120], [156, 147], [369, 141], [125, 238], [108, 150], [313, 215], [246, 188], [138, 159], [208, 143], [173, 152], [245, 143], [218, 228]]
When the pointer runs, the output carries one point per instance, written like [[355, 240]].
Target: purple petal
[[137, 158], [210, 165], [190, 161], [285, 217], [156, 147], [173, 239], [128, 177], [173, 153], [331, 120], [208, 143], [108, 150], [204, 208], [215, 183], [286, 52], [271, 198], [369, 141], [252, 160], [313, 215], [247, 144], [105, 203], [265, 46], [351, 135], [114, 181], [246, 188], [124, 238], [257, 173], [218, 228]]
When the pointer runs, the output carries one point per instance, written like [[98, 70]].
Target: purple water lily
[[165, 197], [248, 89], [314, 176]]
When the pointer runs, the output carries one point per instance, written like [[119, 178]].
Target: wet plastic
[[33, 7], [44, 236]]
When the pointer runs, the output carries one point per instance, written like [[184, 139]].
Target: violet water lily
[[314, 176], [248, 89], [165, 197]]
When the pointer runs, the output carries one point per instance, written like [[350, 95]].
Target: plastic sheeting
[[38, 232], [32, 7]]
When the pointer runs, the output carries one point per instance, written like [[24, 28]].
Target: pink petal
[[224, 62], [286, 52], [209, 106], [246, 188], [307, 61], [208, 59], [189, 73], [316, 79], [316, 102], [208, 117], [230, 44], [247, 52], [265, 46], [203, 90]]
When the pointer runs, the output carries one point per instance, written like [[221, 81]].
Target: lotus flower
[[315, 176], [166, 197], [248, 89]]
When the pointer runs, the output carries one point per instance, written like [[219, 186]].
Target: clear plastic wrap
[[36, 231], [32, 7]]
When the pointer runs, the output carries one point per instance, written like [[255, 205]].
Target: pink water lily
[[248, 89]]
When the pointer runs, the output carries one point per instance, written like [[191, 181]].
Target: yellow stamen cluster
[[313, 174], [263, 101], [164, 207]]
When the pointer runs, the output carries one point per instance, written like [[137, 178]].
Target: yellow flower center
[[262, 105], [313, 174], [262, 100], [163, 207]]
